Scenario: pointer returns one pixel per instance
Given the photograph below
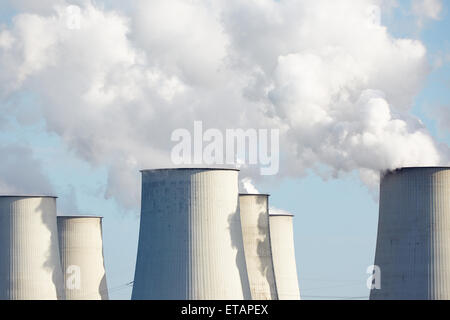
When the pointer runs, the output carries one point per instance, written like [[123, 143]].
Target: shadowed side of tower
[[413, 243]]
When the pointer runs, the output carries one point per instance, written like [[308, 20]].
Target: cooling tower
[[30, 266], [283, 253], [413, 245], [258, 252], [190, 238], [81, 248]]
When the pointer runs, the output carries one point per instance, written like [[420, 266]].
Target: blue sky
[[335, 220]]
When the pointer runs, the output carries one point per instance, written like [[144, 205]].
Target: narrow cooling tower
[[283, 252], [258, 252], [413, 245], [81, 247], [30, 265], [190, 239]]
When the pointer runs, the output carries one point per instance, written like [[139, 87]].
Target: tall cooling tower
[[258, 252], [81, 247], [30, 266], [283, 252], [190, 239], [413, 245]]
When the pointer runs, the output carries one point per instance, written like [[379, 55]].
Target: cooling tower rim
[[203, 169], [28, 196], [402, 169], [417, 168], [254, 194], [281, 215], [79, 217]]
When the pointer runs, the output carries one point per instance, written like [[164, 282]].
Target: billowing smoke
[[246, 185], [326, 73], [21, 173]]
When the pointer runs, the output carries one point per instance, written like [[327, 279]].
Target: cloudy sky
[[90, 92]]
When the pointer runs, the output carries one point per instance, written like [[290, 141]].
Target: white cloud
[[326, 73], [21, 173], [427, 9], [6, 40], [247, 186]]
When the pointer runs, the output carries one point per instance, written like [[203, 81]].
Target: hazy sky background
[[83, 109]]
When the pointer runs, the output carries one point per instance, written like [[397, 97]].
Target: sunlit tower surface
[[81, 249], [190, 238], [254, 212], [30, 265], [283, 253]]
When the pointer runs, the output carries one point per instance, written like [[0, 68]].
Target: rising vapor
[[333, 79]]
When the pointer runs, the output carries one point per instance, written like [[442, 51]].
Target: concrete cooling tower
[[30, 265], [258, 252], [190, 238], [81, 248], [283, 252], [413, 245]]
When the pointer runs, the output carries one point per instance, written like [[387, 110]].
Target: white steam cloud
[[326, 73], [21, 173], [247, 186], [427, 9]]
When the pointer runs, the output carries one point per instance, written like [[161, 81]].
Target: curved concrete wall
[[81, 248], [283, 252], [30, 266], [413, 245], [258, 253], [190, 239]]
